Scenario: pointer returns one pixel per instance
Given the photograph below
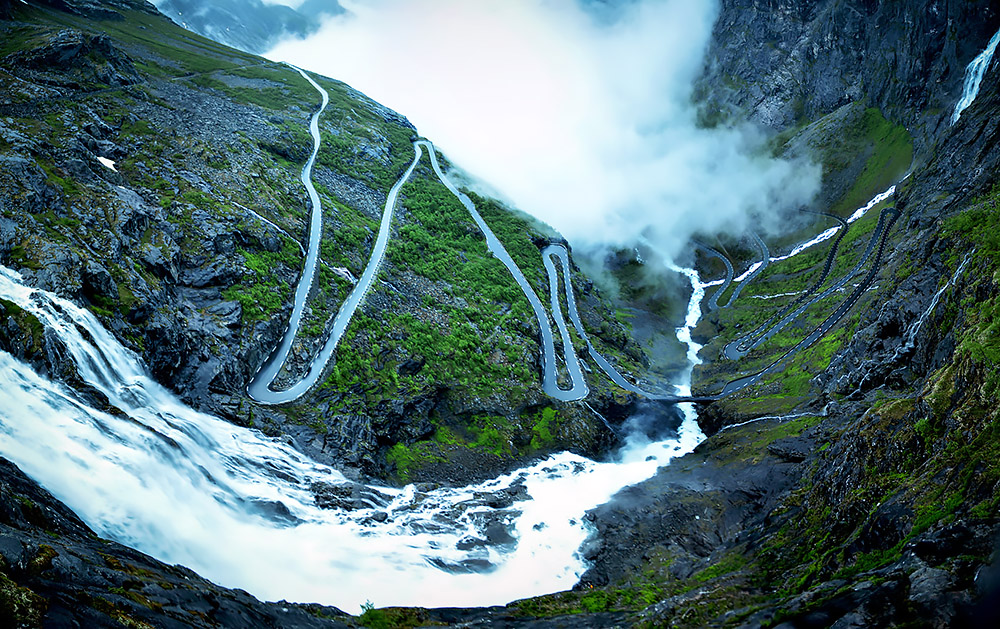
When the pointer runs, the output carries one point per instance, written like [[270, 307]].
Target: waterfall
[[974, 73], [236, 506]]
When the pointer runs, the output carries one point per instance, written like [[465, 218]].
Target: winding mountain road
[[765, 259], [713, 301], [735, 352], [261, 387], [887, 218], [578, 389], [740, 347], [559, 251]]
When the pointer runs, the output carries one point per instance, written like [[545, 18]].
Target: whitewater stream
[[239, 508], [974, 74], [236, 507]]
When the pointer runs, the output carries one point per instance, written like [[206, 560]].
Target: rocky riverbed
[[856, 488]]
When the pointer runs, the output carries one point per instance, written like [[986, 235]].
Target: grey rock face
[[83, 56], [788, 61], [97, 282], [71, 565]]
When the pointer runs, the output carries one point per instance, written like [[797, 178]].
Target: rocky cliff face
[[862, 492], [786, 63], [865, 494]]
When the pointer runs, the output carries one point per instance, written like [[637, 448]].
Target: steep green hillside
[[188, 242], [854, 484]]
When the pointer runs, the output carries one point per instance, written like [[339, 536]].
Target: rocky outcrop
[[71, 57], [55, 571]]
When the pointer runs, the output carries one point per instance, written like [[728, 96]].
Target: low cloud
[[576, 111]]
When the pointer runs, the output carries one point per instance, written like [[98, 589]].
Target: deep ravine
[[455, 451]]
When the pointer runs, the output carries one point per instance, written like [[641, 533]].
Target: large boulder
[[79, 57]]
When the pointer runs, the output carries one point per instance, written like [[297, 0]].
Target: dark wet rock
[[155, 260], [97, 282], [496, 534], [349, 497], [505, 498], [792, 449], [218, 271], [60, 272], [465, 566], [82, 56], [928, 584], [954, 539], [469, 543], [22, 175], [411, 366], [276, 511], [380, 516], [70, 577]]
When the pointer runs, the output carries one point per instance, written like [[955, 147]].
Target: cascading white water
[[192, 489], [974, 74]]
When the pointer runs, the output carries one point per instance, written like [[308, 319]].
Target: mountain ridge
[[855, 487]]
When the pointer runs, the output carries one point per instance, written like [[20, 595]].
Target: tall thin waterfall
[[974, 77]]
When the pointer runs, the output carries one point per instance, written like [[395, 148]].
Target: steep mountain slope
[[249, 25], [866, 492], [188, 239], [855, 486]]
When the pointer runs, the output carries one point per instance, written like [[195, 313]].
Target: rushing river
[[235, 505]]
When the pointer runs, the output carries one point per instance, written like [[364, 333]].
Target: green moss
[[542, 433], [492, 434], [19, 606], [261, 294], [845, 137], [894, 409], [27, 322], [596, 601], [979, 226], [16, 38], [136, 597], [890, 159], [42, 560], [259, 301], [120, 615], [408, 459], [69, 187], [731, 562], [391, 617], [516, 230], [200, 200]]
